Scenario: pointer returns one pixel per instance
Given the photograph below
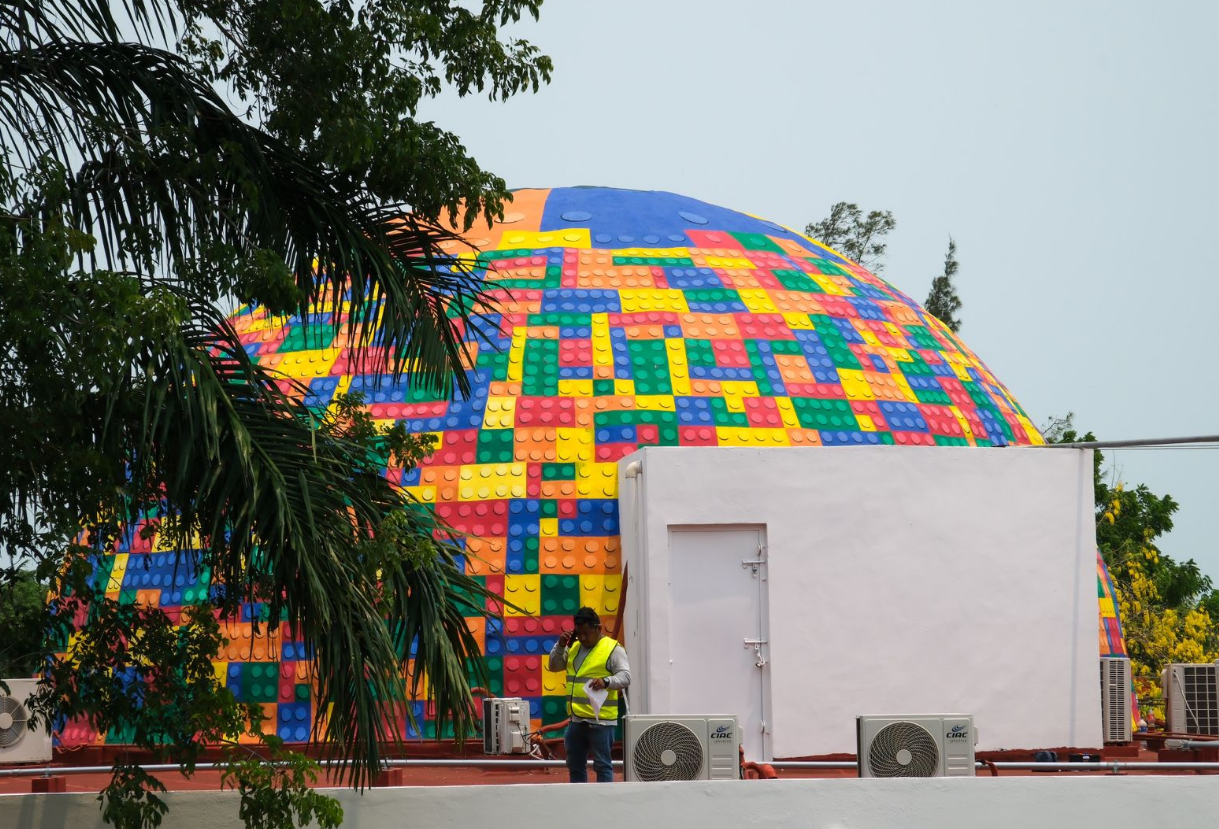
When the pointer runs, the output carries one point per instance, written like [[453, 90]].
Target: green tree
[[22, 602], [1167, 606], [942, 301], [849, 231], [135, 208]]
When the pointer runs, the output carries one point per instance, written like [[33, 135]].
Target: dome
[[626, 319]]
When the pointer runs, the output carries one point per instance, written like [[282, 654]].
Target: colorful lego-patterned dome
[[622, 319]]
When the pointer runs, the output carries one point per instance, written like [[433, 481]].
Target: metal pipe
[[779, 765], [473, 762], [1118, 444]]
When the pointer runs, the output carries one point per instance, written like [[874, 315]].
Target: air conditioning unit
[[19, 743], [1191, 698], [505, 726], [681, 748], [928, 745], [1116, 715]]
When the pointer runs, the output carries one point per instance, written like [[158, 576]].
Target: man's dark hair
[[587, 616]]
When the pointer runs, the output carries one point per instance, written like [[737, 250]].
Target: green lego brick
[[558, 471], [724, 417], [603, 388], [549, 508], [757, 241], [794, 280], [541, 369], [495, 445], [307, 338], [560, 595], [824, 414], [827, 267], [260, 681], [700, 353]]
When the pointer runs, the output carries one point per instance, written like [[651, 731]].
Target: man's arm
[[619, 668], [558, 657]]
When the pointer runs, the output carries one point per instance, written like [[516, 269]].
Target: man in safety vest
[[595, 662]]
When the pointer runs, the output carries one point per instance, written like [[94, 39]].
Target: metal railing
[[1111, 766]]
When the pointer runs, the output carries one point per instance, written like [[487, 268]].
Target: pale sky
[[1069, 147]]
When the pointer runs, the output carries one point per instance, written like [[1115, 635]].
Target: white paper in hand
[[596, 698]]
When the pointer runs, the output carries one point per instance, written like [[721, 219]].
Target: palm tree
[[128, 394]]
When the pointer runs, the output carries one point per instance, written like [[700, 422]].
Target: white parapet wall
[[895, 580], [1002, 803]]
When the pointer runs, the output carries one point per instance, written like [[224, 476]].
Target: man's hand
[[597, 684], [565, 638]]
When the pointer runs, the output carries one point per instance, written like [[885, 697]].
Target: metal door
[[720, 654]]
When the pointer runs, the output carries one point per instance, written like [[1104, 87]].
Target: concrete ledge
[[998, 803]]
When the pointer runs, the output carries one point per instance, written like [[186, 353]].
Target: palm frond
[[169, 173]]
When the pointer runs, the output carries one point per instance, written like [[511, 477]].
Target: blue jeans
[[581, 738]]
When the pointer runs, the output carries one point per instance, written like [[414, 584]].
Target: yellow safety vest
[[593, 667]]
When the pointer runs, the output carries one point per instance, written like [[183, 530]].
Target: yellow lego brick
[[798, 321], [573, 445], [865, 423], [479, 482], [315, 362], [602, 593], [597, 480], [115, 584], [828, 285], [571, 237], [516, 356], [1106, 608], [655, 403], [969, 434], [636, 300], [548, 527], [603, 349], [500, 413], [855, 385], [1035, 437], [525, 592], [653, 253], [554, 683], [738, 436], [679, 366], [729, 262], [740, 388], [221, 670], [575, 388], [624, 388], [758, 301], [788, 412], [423, 494]]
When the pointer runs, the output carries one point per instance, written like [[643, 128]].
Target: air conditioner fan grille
[[14, 721], [903, 749], [667, 751]]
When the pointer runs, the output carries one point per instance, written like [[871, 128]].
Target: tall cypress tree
[[942, 301]]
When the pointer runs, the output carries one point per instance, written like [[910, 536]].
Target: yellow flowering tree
[[1169, 609]]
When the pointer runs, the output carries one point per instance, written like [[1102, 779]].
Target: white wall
[[1001, 803], [901, 580]]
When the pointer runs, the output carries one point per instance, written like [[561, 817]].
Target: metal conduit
[[793, 765]]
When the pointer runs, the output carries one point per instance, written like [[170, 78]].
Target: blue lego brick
[[686, 278], [616, 434], [694, 411], [903, 417], [842, 438], [580, 301]]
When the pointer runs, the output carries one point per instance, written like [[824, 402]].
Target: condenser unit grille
[[14, 721], [1115, 696], [903, 749], [1201, 699], [667, 751]]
